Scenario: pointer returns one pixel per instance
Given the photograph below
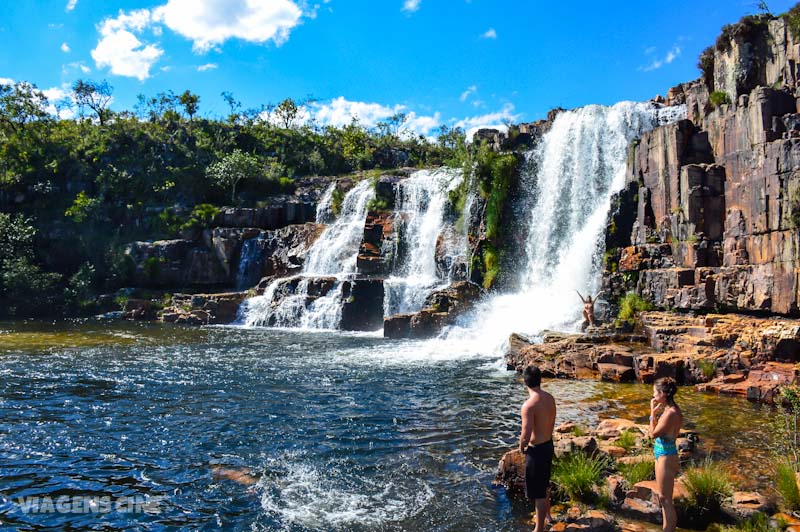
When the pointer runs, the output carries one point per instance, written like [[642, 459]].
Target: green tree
[[190, 103], [94, 95], [286, 112], [232, 169]]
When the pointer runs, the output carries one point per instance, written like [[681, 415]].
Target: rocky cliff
[[710, 216]]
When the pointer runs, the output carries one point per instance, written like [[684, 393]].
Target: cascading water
[[312, 299], [325, 206], [578, 165], [419, 218]]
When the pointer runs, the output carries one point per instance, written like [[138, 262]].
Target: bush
[[627, 440], [378, 205], [491, 266], [201, 217], [708, 368], [708, 484], [576, 475], [718, 98], [629, 305], [786, 484], [337, 198], [792, 18], [637, 472], [706, 65]]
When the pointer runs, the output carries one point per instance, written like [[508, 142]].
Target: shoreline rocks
[[731, 354]]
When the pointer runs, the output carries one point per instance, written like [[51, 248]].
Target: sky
[[465, 63]]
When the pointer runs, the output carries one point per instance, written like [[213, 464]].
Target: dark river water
[[338, 432]]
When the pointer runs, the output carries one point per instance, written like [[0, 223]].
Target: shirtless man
[[536, 443]]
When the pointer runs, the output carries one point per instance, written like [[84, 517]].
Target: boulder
[[362, 305], [274, 254], [441, 308]]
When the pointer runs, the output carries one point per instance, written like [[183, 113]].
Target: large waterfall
[[576, 168], [419, 224]]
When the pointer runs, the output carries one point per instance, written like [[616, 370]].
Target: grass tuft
[[786, 484], [708, 485], [576, 475], [637, 472]]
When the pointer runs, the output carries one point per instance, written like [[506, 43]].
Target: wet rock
[[744, 505], [376, 252], [362, 307], [138, 309], [511, 472], [203, 309], [441, 308], [174, 263]]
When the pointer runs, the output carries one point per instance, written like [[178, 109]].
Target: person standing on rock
[[588, 307], [536, 443], [664, 429]]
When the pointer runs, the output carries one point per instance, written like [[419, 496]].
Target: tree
[[96, 96], [21, 103], [232, 169], [286, 112], [233, 103], [190, 103]]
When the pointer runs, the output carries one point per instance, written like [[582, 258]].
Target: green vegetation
[[86, 186], [627, 440], [637, 471], [629, 305], [494, 173], [792, 18], [708, 484], [758, 522], [576, 475], [337, 198], [747, 29], [708, 368], [201, 217], [718, 98], [580, 430], [491, 265], [378, 204], [786, 484], [786, 430]]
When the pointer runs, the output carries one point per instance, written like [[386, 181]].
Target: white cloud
[[120, 50], [209, 23], [340, 112], [64, 47], [411, 6], [673, 54], [470, 90], [60, 102], [71, 5], [6, 81], [489, 34], [494, 120], [207, 66]]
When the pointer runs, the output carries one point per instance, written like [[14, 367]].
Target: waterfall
[[325, 206], [419, 222], [249, 272], [578, 165], [312, 299]]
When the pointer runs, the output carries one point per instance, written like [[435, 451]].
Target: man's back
[[540, 413]]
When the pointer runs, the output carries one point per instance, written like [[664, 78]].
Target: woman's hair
[[667, 386]]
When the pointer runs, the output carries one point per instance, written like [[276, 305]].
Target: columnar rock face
[[362, 307], [376, 252], [175, 263], [718, 199], [280, 213], [272, 254]]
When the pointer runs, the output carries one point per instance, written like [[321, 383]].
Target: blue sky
[[452, 62]]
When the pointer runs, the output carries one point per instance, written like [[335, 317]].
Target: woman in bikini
[[666, 420]]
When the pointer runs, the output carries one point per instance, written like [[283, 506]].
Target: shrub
[[708, 484], [337, 198], [378, 204], [718, 98], [708, 368], [201, 217], [786, 484], [629, 305], [792, 18], [706, 65], [627, 440], [637, 471], [576, 475]]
